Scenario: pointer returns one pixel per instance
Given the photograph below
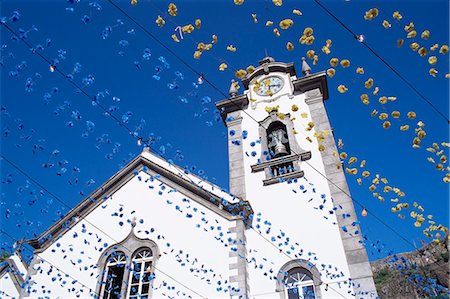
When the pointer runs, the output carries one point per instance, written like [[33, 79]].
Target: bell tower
[[282, 159]]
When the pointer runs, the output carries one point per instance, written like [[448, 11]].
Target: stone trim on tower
[[355, 252], [238, 261]]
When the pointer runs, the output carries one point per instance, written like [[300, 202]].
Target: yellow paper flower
[[343, 155], [411, 115], [443, 49], [423, 51], [175, 38], [308, 31], [432, 60], [376, 90], [371, 14], [238, 2], [352, 160], [214, 39], [172, 9], [198, 23], [231, 48], [289, 46], [386, 125], [294, 108], [351, 170], [160, 21], [250, 69], [360, 70], [382, 100], [345, 63], [363, 163], [223, 66], [414, 46], [342, 89], [134, 2], [404, 128], [443, 159], [383, 116], [359, 181], [386, 24], [197, 54], [277, 2], [374, 113], [187, 28], [240, 73], [255, 20], [395, 114], [315, 59], [334, 62], [331, 72], [421, 134], [297, 12], [365, 99], [310, 54], [433, 72], [372, 187], [304, 115], [286, 23], [400, 42], [366, 174], [410, 27], [411, 34], [369, 83], [425, 34], [326, 50], [434, 47], [431, 160], [392, 99], [397, 15], [269, 23], [309, 40], [276, 32]]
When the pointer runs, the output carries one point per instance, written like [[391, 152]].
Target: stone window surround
[[297, 153], [131, 245], [299, 263]]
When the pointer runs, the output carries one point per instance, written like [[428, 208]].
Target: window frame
[[130, 246], [305, 265], [141, 272]]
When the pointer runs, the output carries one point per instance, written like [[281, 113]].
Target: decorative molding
[[269, 66], [284, 177], [299, 263], [313, 81], [232, 104], [129, 246], [303, 156]]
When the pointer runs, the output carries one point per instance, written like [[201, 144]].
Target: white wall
[[289, 211], [138, 200], [7, 288]]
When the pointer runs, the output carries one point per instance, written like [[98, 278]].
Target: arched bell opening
[[277, 140]]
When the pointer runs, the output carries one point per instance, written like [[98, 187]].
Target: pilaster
[[355, 252]]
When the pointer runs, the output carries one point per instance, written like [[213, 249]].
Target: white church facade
[[286, 228]]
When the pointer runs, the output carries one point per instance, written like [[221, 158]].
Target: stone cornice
[[267, 68], [313, 81], [232, 104]]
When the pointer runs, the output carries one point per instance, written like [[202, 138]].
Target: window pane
[[145, 289], [148, 266], [308, 292], [134, 290], [114, 281], [293, 293]]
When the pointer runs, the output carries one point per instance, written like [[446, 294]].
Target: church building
[[285, 228]]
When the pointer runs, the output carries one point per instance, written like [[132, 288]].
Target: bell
[[277, 142]]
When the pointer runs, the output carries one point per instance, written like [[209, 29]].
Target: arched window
[[127, 269], [141, 274], [113, 275], [299, 284]]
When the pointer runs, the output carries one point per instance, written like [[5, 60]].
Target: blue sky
[[190, 126]]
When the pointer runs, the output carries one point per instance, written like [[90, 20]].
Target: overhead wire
[[198, 73], [397, 73]]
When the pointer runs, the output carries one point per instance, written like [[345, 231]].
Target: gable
[[205, 193]]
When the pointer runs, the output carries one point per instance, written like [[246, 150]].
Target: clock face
[[268, 86]]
